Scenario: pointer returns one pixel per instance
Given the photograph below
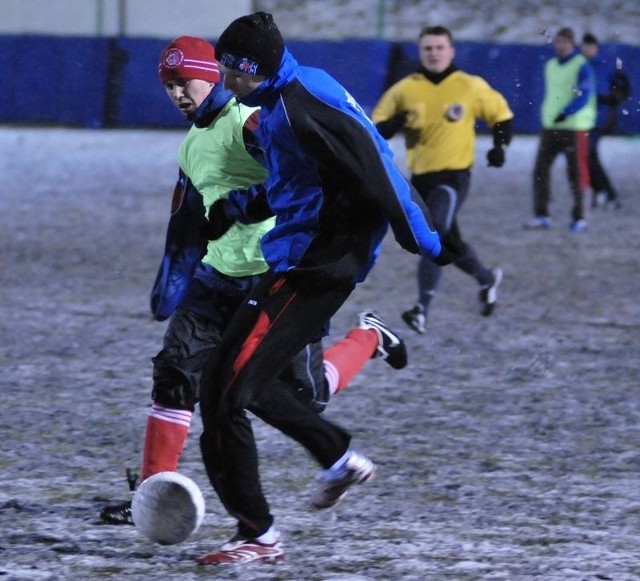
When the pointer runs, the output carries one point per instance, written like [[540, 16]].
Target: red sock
[[164, 440], [346, 357]]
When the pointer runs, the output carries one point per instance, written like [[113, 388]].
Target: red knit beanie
[[188, 57]]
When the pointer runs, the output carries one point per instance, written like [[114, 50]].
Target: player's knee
[[174, 390]]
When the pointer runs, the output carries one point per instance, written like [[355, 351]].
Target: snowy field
[[508, 449]]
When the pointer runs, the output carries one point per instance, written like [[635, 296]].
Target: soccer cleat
[[599, 200], [416, 319], [119, 514], [357, 470], [578, 226], [538, 223], [489, 295], [240, 550], [390, 346]]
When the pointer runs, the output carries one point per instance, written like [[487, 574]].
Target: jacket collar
[[209, 109], [437, 78], [569, 57], [270, 88]]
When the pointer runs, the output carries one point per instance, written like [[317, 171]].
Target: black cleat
[[390, 346], [119, 514], [489, 294]]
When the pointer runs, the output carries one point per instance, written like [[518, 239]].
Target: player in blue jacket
[[613, 88], [200, 283], [334, 191]]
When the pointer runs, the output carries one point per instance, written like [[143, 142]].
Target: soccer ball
[[168, 508]]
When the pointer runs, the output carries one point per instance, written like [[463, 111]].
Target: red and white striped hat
[[188, 57]]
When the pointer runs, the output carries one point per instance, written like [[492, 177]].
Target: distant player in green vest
[[568, 115]]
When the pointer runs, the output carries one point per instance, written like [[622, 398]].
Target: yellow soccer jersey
[[440, 128]]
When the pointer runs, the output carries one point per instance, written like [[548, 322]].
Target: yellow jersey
[[441, 118]]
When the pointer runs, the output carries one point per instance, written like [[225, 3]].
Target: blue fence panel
[[53, 80], [9, 92], [628, 119], [114, 82]]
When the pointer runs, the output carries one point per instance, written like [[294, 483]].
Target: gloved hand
[[448, 253], [391, 126], [495, 157], [218, 221], [560, 118]]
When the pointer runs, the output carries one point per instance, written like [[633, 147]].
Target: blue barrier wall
[[92, 82], [53, 80]]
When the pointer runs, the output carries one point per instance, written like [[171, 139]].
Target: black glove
[[495, 157], [218, 221], [448, 253], [560, 118], [391, 126]]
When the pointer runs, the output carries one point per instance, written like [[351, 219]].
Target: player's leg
[[441, 199], [576, 150], [278, 321], [191, 336], [603, 189], [548, 150], [188, 343]]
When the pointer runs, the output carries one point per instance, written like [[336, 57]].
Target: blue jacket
[[585, 86], [332, 184], [612, 86]]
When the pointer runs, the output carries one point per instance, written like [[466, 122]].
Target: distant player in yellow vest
[[437, 108], [568, 114]]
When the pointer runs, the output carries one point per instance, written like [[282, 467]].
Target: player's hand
[[448, 253], [218, 221], [495, 157], [560, 118], [391, 126]]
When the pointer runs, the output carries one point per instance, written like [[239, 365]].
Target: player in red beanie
[[201, 283]]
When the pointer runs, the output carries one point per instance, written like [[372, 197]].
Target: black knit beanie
[[252, 45]]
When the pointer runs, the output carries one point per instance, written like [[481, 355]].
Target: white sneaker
[[538, 223], [489, 295], [416, 319], [578, 226], [599, 200], [357, 470]]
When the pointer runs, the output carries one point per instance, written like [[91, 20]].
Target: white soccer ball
[[168, 508]]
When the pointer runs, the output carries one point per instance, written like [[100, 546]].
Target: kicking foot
[[390, 346]]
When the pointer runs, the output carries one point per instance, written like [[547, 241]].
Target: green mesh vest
[[560, 87], [216, 161]]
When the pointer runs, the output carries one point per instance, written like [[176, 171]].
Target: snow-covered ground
[[508, 449]]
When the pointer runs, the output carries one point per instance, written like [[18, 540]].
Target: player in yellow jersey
[[437, 107]]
